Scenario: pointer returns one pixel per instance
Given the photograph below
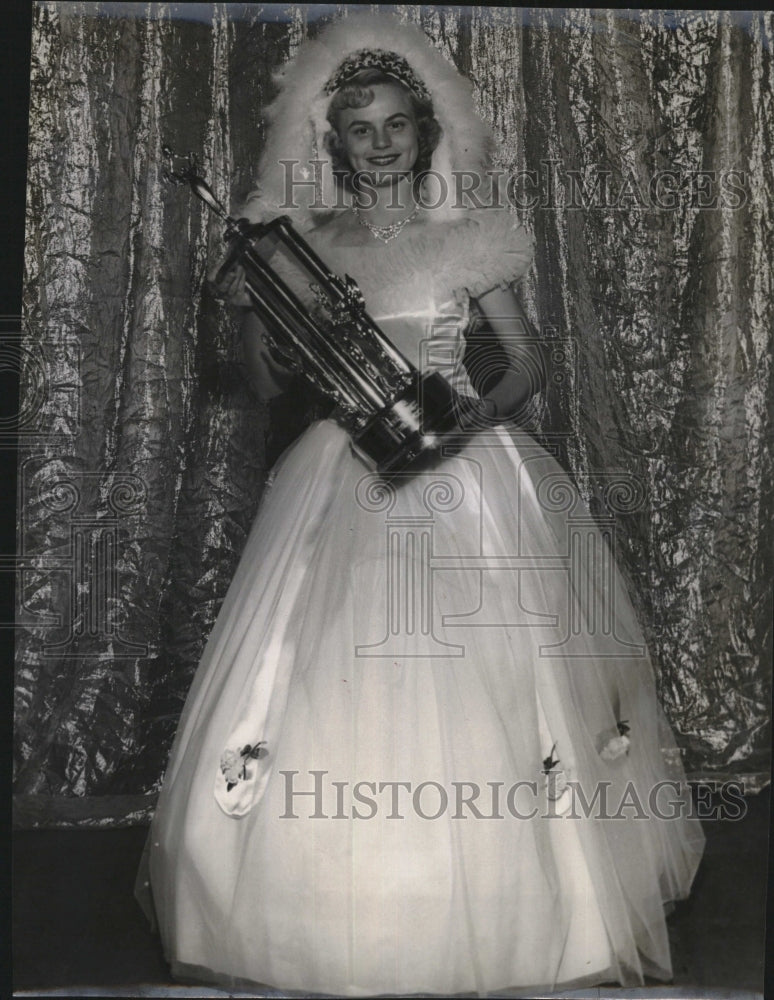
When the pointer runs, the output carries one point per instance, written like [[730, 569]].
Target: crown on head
[[390, 63]]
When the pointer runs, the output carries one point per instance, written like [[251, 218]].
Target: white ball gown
[[411, 658]]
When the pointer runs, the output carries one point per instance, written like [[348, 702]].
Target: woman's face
[[381, 140]]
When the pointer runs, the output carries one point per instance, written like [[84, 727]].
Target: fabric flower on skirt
[[613, 744]]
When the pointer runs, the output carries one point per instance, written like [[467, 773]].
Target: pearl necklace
[[385, 233]]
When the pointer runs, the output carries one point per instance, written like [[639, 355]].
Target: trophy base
[[415, 432]]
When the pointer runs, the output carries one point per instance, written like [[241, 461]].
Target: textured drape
[[641, 150]]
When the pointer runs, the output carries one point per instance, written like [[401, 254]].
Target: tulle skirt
[[423, 750]]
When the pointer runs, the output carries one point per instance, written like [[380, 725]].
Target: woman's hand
[[231, 289], [505, 400], [474, 413]]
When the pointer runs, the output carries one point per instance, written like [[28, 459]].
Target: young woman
[[411, 760]]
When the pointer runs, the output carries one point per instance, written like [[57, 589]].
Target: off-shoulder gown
[[363, 795]]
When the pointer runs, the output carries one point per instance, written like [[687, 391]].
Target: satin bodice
[[416, 307]]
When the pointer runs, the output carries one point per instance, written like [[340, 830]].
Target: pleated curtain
[[640, 149]]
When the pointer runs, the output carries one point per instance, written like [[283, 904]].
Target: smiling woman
[[376, 135], [439, 632], [376, 121]]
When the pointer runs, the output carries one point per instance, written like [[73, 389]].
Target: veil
[[297, 122]]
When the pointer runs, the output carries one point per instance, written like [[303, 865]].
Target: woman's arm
[[525, 374]]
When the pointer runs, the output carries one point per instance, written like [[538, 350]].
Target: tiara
[[390, 63]]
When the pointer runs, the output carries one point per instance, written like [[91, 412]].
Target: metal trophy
[[399, 419]]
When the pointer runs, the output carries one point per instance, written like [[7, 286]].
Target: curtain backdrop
[[144, 455]]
